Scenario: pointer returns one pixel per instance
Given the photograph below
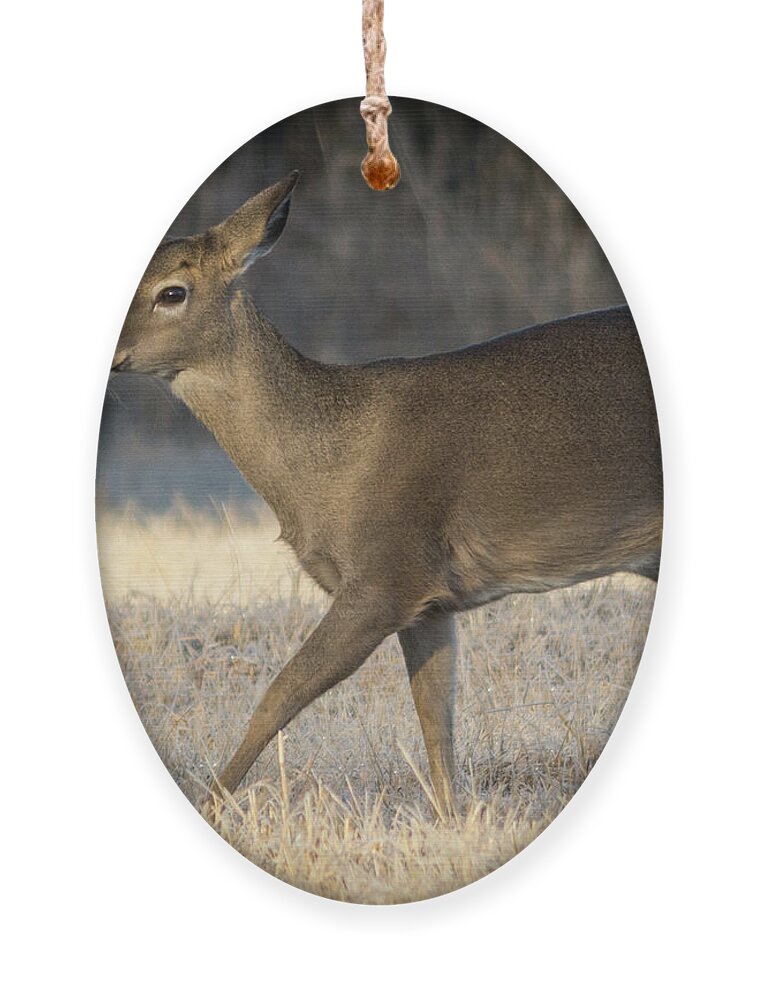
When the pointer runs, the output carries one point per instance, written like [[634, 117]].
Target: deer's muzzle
[[121, 361]]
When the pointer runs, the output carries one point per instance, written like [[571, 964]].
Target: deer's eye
[[174, 295]]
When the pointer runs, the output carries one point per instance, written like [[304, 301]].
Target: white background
[[114, 114]]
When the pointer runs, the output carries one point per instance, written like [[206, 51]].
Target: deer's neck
[[266, 405]]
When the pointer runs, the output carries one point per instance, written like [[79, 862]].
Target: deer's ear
[[252, 231]]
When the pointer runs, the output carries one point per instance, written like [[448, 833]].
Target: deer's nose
[[120, 361]]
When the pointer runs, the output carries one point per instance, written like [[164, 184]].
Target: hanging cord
[[380, 169]]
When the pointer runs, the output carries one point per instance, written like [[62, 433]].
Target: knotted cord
[[380, 169]]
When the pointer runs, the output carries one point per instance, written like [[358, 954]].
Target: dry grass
[[232, 557], [339, 806]]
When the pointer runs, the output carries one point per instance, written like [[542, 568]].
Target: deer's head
[[177, 317]]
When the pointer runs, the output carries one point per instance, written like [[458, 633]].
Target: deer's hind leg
[[429, 648]]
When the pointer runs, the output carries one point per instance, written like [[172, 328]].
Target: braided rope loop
[[380, 169]]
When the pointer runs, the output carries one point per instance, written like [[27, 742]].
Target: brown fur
[[408, 489]]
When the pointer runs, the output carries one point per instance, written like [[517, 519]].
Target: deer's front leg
[[429, 650], [351, 630]]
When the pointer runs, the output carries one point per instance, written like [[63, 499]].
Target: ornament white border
[[646, 129]]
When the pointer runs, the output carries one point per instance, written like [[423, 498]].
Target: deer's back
[[526, 462]]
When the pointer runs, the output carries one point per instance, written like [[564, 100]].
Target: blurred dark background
[[476, 240]]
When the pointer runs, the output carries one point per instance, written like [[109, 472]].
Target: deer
[[409, 488]]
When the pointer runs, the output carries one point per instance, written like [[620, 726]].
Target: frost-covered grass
[[339, 804]]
